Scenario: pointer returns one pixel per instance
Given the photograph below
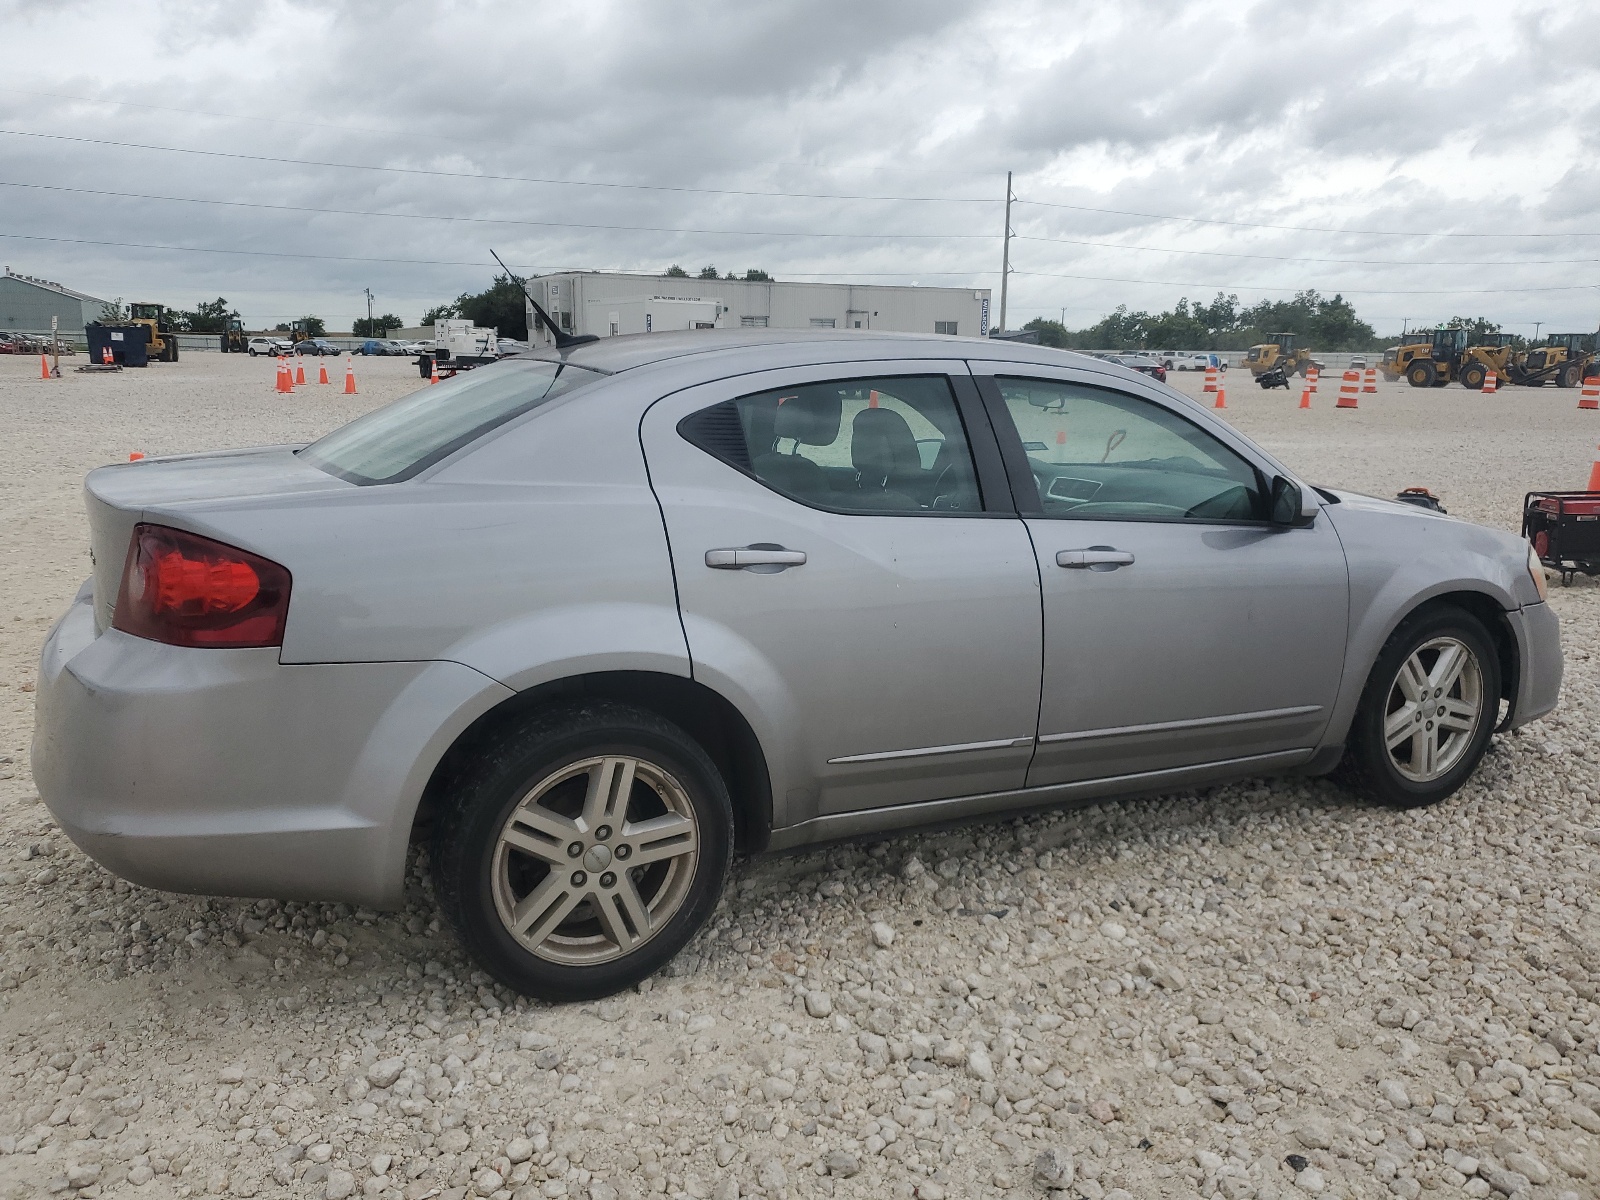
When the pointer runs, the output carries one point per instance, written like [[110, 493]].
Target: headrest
[[811, 417], [882, 446]]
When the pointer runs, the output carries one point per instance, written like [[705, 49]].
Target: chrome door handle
[[1103, 558], [737, 558]]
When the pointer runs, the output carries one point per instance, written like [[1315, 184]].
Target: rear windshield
[[413, 433]]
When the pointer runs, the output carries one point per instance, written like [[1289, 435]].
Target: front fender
[[1399, 560]]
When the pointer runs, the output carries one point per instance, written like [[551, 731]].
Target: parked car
[[269, 345], [382, 346], [1358, 361], [1140, 362], [317, 345], [589, 619], [507, 346], [1202, 362]]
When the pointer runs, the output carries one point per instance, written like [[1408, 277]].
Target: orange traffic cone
[[1311, 380], [349, 377], [322, 371], [1305, 398], [299, 370], [136, 456], [1349, 390], [285, 378], [105, 355], [1211, 380], [1370, 384], [1222, 398], [1491, 384], [435, 376], [1594, 473], [1591, 393], [44, 366]]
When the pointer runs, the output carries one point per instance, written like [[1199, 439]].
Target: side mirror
[[1287, 505]]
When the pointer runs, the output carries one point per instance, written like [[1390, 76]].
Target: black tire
[[1472, 376], [1368, 765], [424, 366], [477, 806], [1422, 374], [1569, 376]]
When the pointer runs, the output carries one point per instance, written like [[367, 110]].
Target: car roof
[[625, 352]]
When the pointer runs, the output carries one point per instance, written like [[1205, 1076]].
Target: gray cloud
[[1282, 113]]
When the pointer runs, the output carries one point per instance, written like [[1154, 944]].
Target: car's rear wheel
[[579, 853], [1428, 711]]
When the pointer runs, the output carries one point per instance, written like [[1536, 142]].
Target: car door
[[1180, 627], [849, 584]]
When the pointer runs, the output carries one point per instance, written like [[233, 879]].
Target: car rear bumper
[[1538, 633], [225, 773]]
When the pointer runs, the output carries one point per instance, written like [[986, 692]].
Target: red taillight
[[188, 590]]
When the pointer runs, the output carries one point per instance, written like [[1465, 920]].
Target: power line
[[1295, 258], [510, 221], [589, 183], [201, 112], [356, 212], [1117, 212], [1252, 287], [440, 262]]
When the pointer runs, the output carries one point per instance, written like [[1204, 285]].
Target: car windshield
[[413, 433]]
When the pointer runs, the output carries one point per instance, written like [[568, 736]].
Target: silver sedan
[[588, 621]]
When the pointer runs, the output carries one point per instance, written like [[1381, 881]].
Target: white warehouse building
[[609, 304]]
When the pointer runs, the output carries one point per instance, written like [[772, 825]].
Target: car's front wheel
[[579, 853], [1428, 711]]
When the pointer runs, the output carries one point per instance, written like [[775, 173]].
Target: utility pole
[[1005, 256], [1536, 325], [1063, 317], [368, 291]]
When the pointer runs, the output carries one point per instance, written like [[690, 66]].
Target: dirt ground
[[1264, 989]]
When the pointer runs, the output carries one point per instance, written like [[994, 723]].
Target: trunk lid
[[119, 496]]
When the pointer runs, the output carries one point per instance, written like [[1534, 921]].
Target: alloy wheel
[[1434, 706], [595, 859]]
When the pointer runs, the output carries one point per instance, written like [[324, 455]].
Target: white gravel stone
[[819, 1004], [882, 934], [340, 1184]]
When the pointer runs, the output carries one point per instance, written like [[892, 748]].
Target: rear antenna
[[564, 341]]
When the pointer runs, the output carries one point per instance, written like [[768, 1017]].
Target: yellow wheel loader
[[1279, 355], [1488, 352], [1434, 363], [163, 338]]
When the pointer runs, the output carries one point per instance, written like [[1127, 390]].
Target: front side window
[[396, 442], [875, 445], [1099, 455]]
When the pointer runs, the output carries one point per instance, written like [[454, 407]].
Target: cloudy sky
[[1425, 159]]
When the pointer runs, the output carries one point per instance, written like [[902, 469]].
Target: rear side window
[[874, 445], [410, 435]]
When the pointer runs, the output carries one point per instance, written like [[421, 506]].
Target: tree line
[[1328, 323]]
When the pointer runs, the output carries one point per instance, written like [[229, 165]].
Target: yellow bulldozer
[[163, 338], [1565, 359], [1279, 355]]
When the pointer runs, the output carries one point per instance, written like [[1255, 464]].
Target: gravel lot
[[1257, 990]]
